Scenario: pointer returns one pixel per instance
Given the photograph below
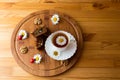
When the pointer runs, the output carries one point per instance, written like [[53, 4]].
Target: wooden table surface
[[100, 23]]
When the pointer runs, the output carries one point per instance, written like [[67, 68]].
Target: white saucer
[[67, 53]]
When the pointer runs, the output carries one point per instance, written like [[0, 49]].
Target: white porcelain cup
[[60, 40]]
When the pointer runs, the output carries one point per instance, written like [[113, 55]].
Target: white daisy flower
[[23, 34], [55, 19], [37, 58], [61, 40], [56, 53]]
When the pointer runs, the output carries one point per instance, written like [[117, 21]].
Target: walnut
[[23, 49], [37, 21]]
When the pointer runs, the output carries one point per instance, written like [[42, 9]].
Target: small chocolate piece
[[23, 49], [39, 43], [40, 34], [39, 31], [37, 21]]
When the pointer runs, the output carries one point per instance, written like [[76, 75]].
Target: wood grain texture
[[99, 20]]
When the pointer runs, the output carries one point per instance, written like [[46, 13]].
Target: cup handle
[[71, 39]]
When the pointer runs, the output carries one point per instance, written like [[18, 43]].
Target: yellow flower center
[[61, 40], [37, 58], [55, 53], [22, 33], [54, 19]]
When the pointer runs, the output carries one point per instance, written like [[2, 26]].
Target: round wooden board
[[48, 66]]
